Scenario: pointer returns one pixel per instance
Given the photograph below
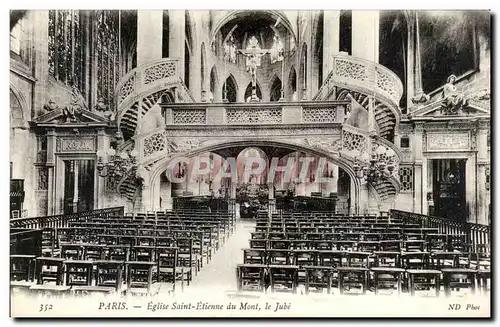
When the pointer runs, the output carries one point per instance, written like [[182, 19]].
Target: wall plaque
[[86, 144], [453, 141]]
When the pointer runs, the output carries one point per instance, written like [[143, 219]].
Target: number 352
[[45, 307]]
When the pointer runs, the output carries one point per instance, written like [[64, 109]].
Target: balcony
[[244, 114]]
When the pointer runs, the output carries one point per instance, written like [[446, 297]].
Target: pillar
[[483, 163], [331, 39], [166, 195], [421, 184], [51, 190], [40, 48], [149, 35], [365, 34], [102, 144], [177, 37]]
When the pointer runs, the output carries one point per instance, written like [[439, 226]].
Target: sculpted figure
[[453, 101]]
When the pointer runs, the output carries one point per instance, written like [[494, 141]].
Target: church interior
[[305, 152]]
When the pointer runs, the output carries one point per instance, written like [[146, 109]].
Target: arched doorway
[[292, 85], [248, 92], [230, 89], [275, 92], [269, 147]]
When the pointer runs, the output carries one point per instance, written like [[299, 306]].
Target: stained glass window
[[107, 55], [230, 50], [66, 47], [277, 50]]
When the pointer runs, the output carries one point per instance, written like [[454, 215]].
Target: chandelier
[[375, 166], [115, 164]]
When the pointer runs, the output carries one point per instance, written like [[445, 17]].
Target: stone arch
[[203, 71], [161, 165], [275, 14], [214, 86], [292, 84], [232, 86], [248, 91], [18, 109], [303, 82], [275, 86]]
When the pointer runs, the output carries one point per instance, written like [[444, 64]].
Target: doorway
[[78, 185], [448, 189]]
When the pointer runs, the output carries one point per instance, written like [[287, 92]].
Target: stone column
[[365, 34], [103, 145], [149, 35], [483, 163], [177, 37], [420, 172], [41, 49], [331, 39], [51, 149]]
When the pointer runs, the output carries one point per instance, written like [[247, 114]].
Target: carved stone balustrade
[[282, 113]]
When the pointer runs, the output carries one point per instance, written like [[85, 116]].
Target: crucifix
[[253, 54]]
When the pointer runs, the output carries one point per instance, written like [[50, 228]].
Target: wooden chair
[[457, 278], [139, 277], [278, 256], [252, 277], [387, 278], [49, 269], [387, 259], [168, 270], [318, 278], [423, 280], [283, 278], [352, 277], [79, 272], [110, 273], [22, 267], [436, 242], [255, 256]]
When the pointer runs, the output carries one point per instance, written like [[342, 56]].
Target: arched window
[[230, 50], [275, 93], [248, 92], [230, 89], [15, 38], [107, 54], [277, 50]]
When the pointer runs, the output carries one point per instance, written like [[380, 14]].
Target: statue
[[73, 110], [50, 106], [103, 110], [253, 54], [453, 101]]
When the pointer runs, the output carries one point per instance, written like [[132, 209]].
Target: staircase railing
[[474, 233]]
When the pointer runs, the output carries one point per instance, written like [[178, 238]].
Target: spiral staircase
[[367, 83]]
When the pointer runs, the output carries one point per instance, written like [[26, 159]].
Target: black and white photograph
[[250, 163]]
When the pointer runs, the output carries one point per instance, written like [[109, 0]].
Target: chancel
[[154, 152]]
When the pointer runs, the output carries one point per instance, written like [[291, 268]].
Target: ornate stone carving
[[386, 83], [458, 141], [50, 106], [189, 116], [353, 142], [75, 144], [238, 116], [159, 71], [236, 131], [126, 89], [453, 102], [184, 145], [155, 142], [102, 109], [345, 68], [72, 112], [43, 178], [406, 178], [319, 115], [420, 98]]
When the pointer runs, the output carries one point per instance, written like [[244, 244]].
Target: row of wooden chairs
[[286, 278]]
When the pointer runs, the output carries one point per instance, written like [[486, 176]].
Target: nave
[[104, 252]]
